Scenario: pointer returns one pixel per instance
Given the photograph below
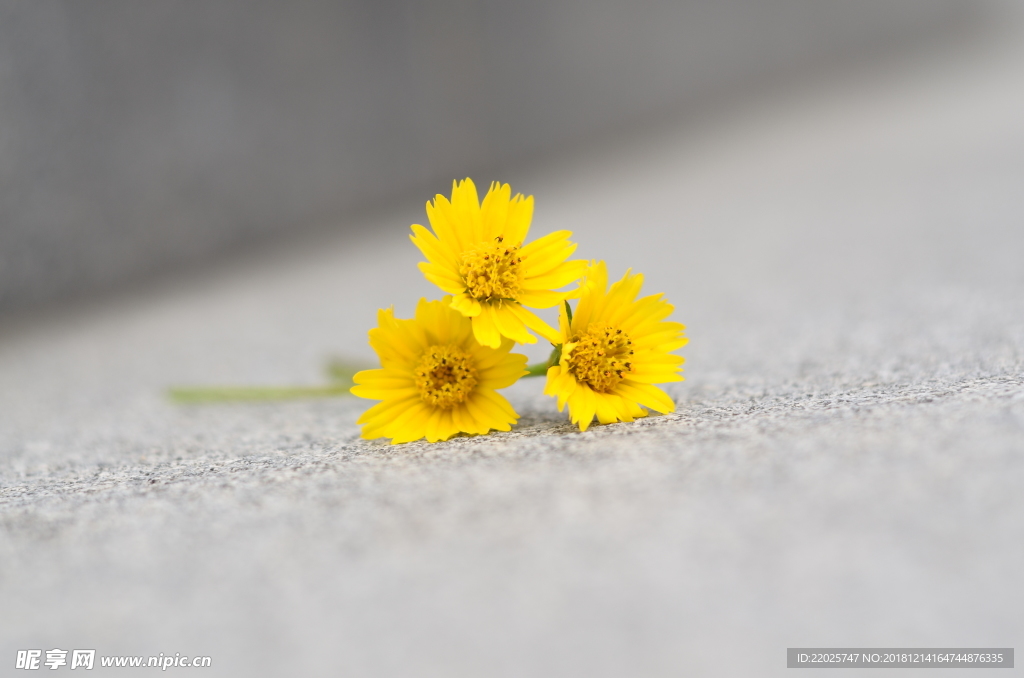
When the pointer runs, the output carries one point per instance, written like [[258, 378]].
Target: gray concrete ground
[[844, 468]]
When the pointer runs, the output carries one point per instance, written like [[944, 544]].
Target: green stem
[[536, 370], [541, 369], [215, 394], [339, 372]]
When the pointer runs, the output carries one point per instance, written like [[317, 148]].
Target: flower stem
[[536, 370], [339, 372], [541, 369], [215, 394]]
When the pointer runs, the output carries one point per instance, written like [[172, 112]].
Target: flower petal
[[433, 249], [582, 406], [411, 426], [494, 211], [647, 395], [504, 374], [442, 220], [465, 211], [502, 405], [605, 410], [520, 214], [540, 298], [536, 324], [442, 277], [564, 274], [387, 410], [466, 305], [510, 324], [484, 328], [447, 428], [432, 429], [546, 252]]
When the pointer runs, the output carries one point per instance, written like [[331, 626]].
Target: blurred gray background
[[137, 138]]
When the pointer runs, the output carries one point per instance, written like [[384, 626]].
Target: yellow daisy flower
[[477, 253], [615, 347], [435, 379]]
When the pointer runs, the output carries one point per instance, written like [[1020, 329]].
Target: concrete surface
[[844, 468]]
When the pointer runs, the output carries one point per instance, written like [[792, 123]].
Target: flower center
[[492, 271], [445, 376], [600, 357]]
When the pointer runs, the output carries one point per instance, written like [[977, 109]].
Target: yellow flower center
[[600, 357], [445, 376], [492, 271]]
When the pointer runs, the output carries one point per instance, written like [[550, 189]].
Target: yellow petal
[[411, 425], [536, 324], [664, 333], [466, 305], [564, 330], [549, 259], [605, 410], [432, 248], [432, 428], [478, 410], [550, 245], [447, 428], [488, 412], [560, 384], [396, 341], [621, 296], [484, 328], [620, 405], [386, 378], [397, 421], [510, 324], [560, 276], [442, 277], [463, 420], [645, 394], [386, 392], [442, 220], [540, 298], [465, 211], [502, 406], [485, 357], [592, 296], [387, 410], [582, 406], [645, 315], [656, 377], [494, 211], [517, 224], [504, 374]]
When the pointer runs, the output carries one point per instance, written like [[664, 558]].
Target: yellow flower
[[615, 347], [435, 380], [477, 253]]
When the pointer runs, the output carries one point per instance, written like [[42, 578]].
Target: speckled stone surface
[[845, 466]]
